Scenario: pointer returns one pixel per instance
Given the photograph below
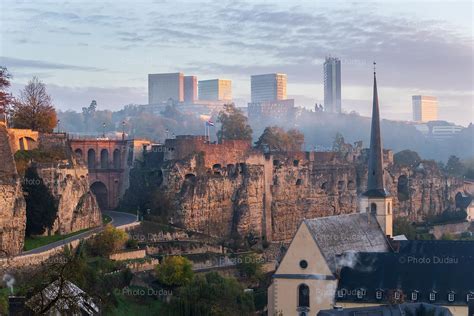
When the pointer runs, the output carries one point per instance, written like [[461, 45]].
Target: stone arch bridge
[[109, 162]]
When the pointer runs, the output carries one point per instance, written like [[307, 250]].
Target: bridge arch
[[101, 194], [27, 143]]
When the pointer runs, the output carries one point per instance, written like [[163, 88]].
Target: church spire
[[375, 183]]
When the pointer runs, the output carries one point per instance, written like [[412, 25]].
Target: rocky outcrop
[[12, 203], [77, 206], [269, 195]]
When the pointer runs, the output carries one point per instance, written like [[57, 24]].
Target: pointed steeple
[[375, 183]]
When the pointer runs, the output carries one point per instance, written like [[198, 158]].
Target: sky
[[85, 50]]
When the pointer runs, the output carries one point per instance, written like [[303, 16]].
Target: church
[[339, 260]]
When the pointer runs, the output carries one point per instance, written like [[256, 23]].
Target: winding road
[[118, 219]]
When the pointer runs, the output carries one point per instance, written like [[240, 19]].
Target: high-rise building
[[268, 87], [332, 85], [190, 89], [215, 90], [162, 87], [425, 108]]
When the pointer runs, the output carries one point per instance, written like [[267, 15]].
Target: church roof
[[336, 235]]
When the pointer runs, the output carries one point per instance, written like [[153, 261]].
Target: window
[[303, 295], [451, 297], [303, 264], [432, 296], [414, 296], [389, 208], [378, 295], [373, 209]]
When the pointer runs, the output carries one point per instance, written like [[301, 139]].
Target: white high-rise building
[[268, 87], [190, 89], [215, 90], [162, 87], [425, 108], [332, 85]]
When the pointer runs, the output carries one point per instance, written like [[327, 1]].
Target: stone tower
[[377, 199]]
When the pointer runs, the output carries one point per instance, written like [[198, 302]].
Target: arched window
[[303, 295], [78, 153], [373, 209], [91, 158], [117, 160], [104, 158]]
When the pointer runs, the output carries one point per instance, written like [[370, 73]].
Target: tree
[[108, 241], [5, 98], [454, 166], [250, 266], [212, 294], [275, 138], [402, 226], [234, 124], [41, 206], [406, 158], [34, 109], [175, 271]]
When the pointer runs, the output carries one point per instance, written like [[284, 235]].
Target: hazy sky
[[104, 50]]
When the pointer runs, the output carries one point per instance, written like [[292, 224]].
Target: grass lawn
[[38, 241], [138, 305]]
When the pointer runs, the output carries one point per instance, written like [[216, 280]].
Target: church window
[[303, 295], [373, 208], [303, 264]]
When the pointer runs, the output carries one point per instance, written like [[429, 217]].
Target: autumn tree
[[108, 241], [275, 138], [33, 109], [5, 97], [175, 271], [234, 124]]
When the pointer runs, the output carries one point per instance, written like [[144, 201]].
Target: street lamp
[[123, 130], [58, 123], [103, 129]]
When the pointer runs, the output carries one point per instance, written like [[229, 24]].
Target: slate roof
[[387, 310], [424, 272], [336, 235], [437, 247], [71, 297]]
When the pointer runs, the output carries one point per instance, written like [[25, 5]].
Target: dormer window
[[414, 295], [360, 293], [433, 296], [451, 297], [378, 294]]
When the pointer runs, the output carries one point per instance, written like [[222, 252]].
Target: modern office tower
[[268, 87], [162, 87], [215, 90], [425, 108], [190, 89], [332, 85]]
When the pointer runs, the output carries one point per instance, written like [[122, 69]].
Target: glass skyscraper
[[332, 85]]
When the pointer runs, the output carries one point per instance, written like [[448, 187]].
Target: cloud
[[10, 62]]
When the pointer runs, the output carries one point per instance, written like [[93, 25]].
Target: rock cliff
[[223, 191], [77, 206], [12, 203]]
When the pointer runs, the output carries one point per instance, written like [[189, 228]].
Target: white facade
[[268, 87], [425, 108]]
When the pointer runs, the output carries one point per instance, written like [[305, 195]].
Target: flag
[[209, 123]]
